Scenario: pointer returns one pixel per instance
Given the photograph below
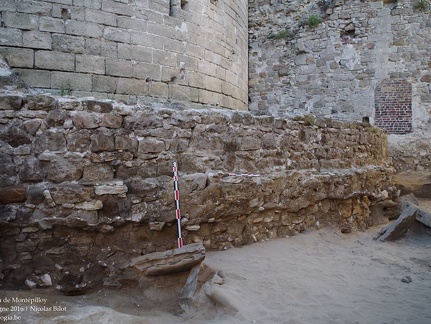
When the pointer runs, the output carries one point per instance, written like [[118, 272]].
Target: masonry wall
[[88, 183], [191, 51], [333, 69]]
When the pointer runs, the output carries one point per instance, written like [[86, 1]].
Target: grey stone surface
[[399, 228], [126, 39]]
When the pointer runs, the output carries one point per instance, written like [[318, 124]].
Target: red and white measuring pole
[[177, 203]]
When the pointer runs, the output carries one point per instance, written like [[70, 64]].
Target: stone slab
[[171, 261], [399, 228]]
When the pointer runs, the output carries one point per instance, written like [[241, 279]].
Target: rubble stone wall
[[332, 68], [88, 183], [192, 51]]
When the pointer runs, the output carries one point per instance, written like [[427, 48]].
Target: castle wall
[[333, 69], [88, 183], [183, 51]]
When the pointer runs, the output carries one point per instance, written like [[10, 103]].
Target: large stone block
[[90, 64], [151, 145], [53, 25], [81, 28], [78, 141], [12, 194], [16, 58], [102, 140], [31, 170], [100, 17], [11, 102], [20, 20], [68, 43], [68, 82], [71, 193], [135, 52], [54, 60], [39, 40], [62, 170], [97, 172], [35, 78]]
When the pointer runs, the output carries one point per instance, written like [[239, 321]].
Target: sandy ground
[[316, 277]]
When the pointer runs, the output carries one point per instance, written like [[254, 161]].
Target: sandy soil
[[317, 277]]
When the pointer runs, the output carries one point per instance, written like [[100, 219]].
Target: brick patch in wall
[[393, 104]]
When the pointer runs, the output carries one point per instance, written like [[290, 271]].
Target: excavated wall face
[[341, 66], [87, 183], [192, 51]]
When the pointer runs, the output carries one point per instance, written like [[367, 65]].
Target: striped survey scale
[[177, 203]]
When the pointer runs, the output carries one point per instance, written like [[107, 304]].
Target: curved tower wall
[[178, 50]]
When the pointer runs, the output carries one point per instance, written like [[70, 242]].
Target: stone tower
[[178, 50]]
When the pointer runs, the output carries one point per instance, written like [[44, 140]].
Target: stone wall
[[410, 152], [87, 183], [332, 69], [193, 51]]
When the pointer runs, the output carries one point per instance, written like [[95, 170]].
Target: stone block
[[161, 6], [69, 82], [140, 38], [92, 4], [11, 102], [132, 87], [126, 143], [135, 52], [35, 78], [31, 170], [78, 141], [146, 71], [103, 83], [34, 7], [100, 17], [159, 89], [35, 195], [50, 140], [79, 218], [89, 205], [12, 194], [71, 193], [213, 84], [52, 25], [83, 119], [119, 35], [400, 227], [90, 64], [98, 171], [20, 20], [132, 23], [121, 9], [171, 261], [116, 67], [81, 28], [68, 43], [170, 74], [178, 92], [111, 121], [35, 39], [62, 170], [18, 57], [15, 136], [164, 58], [151, 145], [54, 60], [102, 141], [40, 102], [113, 188]]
